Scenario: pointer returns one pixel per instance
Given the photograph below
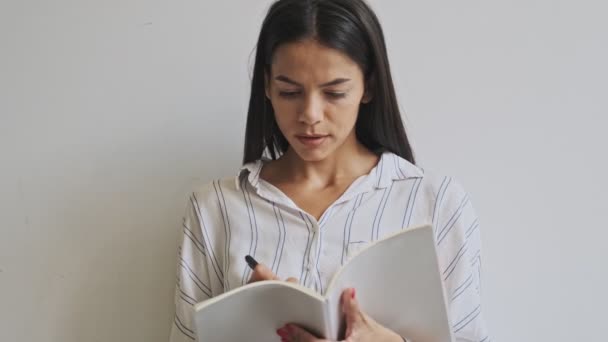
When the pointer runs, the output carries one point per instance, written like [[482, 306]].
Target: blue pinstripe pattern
[[411, 201], [250, 214], [224, 211], [377, 224], [472, 228], [306, 250], [450, 224], [216, 268], [185, 330], [190, 235], [243, 219], [382, 201], [465, 285], [348, 226], [452, 266], [467, 319], [439, 199]]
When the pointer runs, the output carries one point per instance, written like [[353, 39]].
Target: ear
[[367, 96]]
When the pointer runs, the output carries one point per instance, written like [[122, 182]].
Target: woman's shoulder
[[216, 188], [429, 181], [227, 188], [438, 183], [448, 206], [434, 193]]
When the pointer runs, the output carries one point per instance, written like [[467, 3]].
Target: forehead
[[311, 60]]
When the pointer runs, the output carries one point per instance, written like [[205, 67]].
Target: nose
[[311, 110]]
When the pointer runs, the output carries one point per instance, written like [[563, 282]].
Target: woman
[[338, 172]]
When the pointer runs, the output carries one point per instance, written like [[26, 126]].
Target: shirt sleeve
[[193, 281], [459, 250]]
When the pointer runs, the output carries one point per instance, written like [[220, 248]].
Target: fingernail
[[281, 333], [289, 328], [352, 294]]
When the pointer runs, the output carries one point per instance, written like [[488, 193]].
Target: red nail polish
[[281, 332], [352, 295]]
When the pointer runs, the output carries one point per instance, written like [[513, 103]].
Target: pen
[[251, 261]]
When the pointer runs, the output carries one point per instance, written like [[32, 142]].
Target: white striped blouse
[[230, 218]]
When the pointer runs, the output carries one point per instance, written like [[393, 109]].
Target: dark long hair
[[349, 26]]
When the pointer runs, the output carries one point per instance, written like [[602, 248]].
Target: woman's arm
[[193, 282], [459, 250]]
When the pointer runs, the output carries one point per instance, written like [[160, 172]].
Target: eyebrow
[[330, 83]]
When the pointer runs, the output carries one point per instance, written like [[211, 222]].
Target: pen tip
[[251, 261]]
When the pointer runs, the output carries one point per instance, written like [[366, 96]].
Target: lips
[[312, 140]]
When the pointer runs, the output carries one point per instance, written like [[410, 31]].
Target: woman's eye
[[335, 95], [289, 94], [293, 94]]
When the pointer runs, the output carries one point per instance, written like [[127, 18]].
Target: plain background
[[111, 111]]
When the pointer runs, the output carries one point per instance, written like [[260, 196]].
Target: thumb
[[350, 308], [262, 272], [292, 280]]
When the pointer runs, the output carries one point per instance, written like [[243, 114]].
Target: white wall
[[110, 111]]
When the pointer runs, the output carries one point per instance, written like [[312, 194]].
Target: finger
[[292, 280], [261, 272], [350, 308], [297, 334]]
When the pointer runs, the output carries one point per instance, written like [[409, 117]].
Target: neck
[[344, 165]]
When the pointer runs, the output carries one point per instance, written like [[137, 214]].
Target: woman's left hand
[[359, 326]]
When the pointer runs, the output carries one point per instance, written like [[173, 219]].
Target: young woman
[[328, 168]]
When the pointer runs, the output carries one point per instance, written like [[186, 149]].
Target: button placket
[[312, 254]]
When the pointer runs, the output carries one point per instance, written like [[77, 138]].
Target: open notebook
[[398, 284]]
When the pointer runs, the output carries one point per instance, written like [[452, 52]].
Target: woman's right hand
[[261, 272]]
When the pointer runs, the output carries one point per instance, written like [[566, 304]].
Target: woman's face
[[315, 93]]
